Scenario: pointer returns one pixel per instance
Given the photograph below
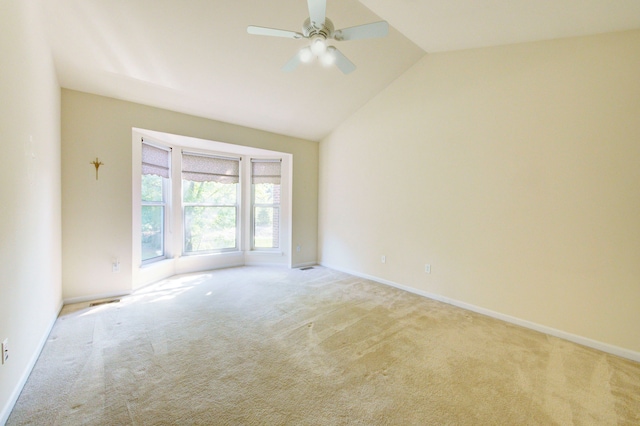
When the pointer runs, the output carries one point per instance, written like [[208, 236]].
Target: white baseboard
[[581, 340], [6, 410], [91, 298], [303, 265], [267, 264]]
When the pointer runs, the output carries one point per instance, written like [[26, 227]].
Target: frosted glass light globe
[[318, 46], [329, 57], [305, 55]]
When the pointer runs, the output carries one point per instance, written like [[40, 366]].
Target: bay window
[[201, 204]]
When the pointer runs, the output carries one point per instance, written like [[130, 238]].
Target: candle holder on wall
[[97, 163]]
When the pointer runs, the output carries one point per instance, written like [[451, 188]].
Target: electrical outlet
[[5, 350], [383, 259], [427, 268], [298, 248], [115, 265]]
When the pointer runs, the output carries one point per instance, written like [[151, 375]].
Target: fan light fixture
[[318, 28], [318, 49]]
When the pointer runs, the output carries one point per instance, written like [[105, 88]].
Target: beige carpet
[[252, 345]]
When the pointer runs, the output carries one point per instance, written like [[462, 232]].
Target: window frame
[[237, 206], [254, 205], [165, 204]]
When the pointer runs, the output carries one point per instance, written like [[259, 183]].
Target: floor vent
[[306, 268], [104, 302]]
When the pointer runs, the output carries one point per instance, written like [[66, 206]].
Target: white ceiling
[[195, 56]]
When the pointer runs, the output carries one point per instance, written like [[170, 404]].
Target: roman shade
[[265, 171], [155, 161], [206, 168]]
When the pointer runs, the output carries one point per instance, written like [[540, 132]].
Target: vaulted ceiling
[[196, 57]]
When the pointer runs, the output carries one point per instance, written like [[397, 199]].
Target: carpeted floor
[[253, 346]]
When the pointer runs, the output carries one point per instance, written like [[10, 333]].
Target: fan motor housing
[[325, 31]]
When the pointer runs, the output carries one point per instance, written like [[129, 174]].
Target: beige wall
[[97, 214], [514, 171], [30, 290]]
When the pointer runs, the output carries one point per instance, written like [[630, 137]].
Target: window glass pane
[[209, 192], [152, 238], [209, 228], [266, 227], [266, 193], [152, 188]]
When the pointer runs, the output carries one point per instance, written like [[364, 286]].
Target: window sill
[[230, 253], [158, 262], [264, 253]]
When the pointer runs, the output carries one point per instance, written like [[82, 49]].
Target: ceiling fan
[[318, 28]]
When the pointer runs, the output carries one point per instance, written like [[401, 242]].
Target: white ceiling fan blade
[[342, 62], [372, 30], [317, 11], [251, 29], [292, 64]]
